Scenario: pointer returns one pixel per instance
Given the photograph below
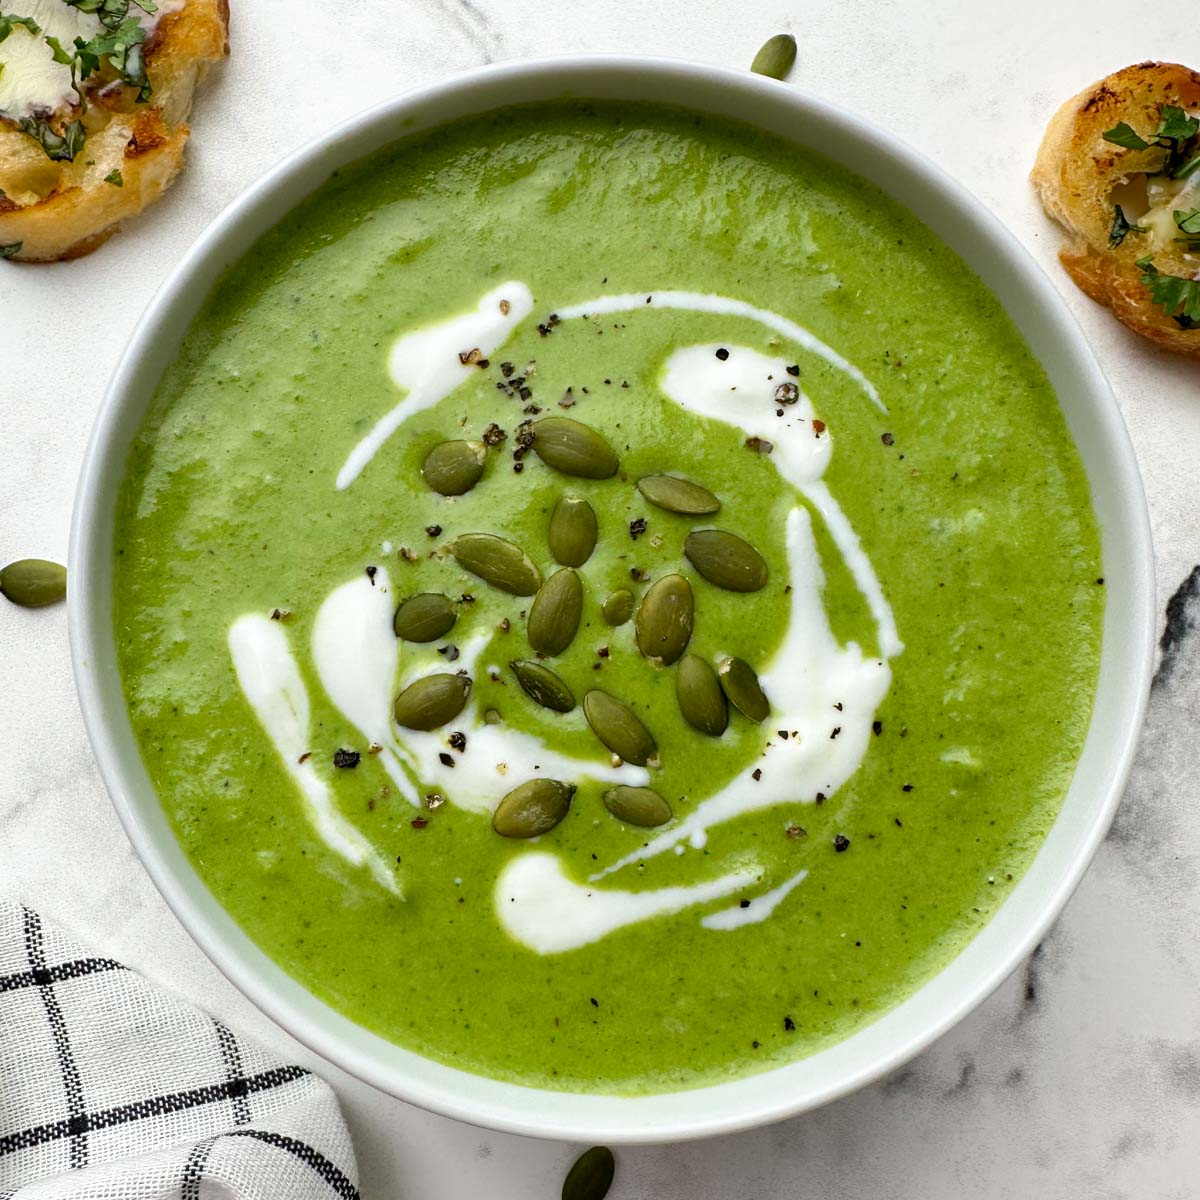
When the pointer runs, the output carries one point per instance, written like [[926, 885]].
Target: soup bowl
[[1128, 631]]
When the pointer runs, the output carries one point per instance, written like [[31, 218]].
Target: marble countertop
[[1080, 1077]]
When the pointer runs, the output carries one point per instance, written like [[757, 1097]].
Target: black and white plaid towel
[[111, 1089]]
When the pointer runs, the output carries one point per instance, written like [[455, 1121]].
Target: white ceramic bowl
[[1125, 670]]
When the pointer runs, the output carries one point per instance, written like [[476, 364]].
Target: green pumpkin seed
[[532, 808], [678, 495], [572, 531], [776, 57], [724, 559], [700, 697], [542, 685], [618, 608], [664, 619], [432, 701], [591, 1176], [573, 448], [498, 562], [637, 806], [33, 582], [741, 687], [555, 612], [424, 617], [619, 728], [452, 468]]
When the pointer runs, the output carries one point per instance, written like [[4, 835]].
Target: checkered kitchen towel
[[111, 1089]]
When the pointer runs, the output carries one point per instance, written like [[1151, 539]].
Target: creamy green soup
[[716, 306]]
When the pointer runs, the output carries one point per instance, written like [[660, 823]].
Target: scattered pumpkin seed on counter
[[641, 806], [617, 607], [542, 685], [776, 57], [33, 582], [741, 687], [725, 559], [424, 617], [619, 728], [532, 808], [497, 561], [591, 1175], [678, 495], [555, 612], [573, 531], [432, 701], [574, 448], [664, 619], [700, 698], [454, 468]]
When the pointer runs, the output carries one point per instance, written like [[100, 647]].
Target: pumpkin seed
[[678, 495], [619, 728], [776, 57], [424, 617], [640, 806], [700, 698], [498, 562], [573, 448], [591, 1176], [741, 687], [452, 468], [554, 613], [542, 685], [33, 582], [532, 808], [664, 619], [724, 559], [572, 531], [429, 702], [618, 608]]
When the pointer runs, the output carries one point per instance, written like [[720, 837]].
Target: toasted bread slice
[[132, 151], [1081, 177]]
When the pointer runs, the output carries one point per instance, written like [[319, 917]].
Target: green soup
[[919, 765]]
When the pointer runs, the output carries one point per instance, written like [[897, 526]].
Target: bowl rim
[[883, 1045]]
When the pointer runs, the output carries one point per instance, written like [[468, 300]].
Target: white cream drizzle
[[725, 306], [425, 364], [270, 678], [758, 909], [543, 909]]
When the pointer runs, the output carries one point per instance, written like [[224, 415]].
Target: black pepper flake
[[346, 758], [602, 651], [466, 357], [789, 1026], [505, 625], [637, 527], [820, 797], [371, 573], [523, 439], [756, 774], [1100, 581], [722, 354], [900, 825], [876, 727], [518, 467], [493, 435], [305, 756], [419, 822], [483, 364], [433, 530], [841, 843], [449, 652], [759, 445], [445, 759], [887, 439], [466, 598], [409, 556], [907, 787], [624, 383], [458, 741], [506, 369], [787, 393], [637, 575], [531, 409], [568, 399], [796, 832], [838, 705], [743, 904], [285, 614], [754, 1045], [836, 730], [550, 322], [794, 369], [594, 1002], [434, 800], [525, 392]]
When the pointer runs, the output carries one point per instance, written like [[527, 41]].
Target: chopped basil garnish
[[1120, 227], [11, 249], [111, 12], [60, 147], [1176, 295], [1123, 135], [1188, 167], [1175, 125], [1189, 222], [7, 21], [115, 178]]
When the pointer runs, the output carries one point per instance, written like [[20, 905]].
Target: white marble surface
[[1081, 1076]]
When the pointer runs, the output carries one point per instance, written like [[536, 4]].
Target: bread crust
[[1077, 173], [63, 210]]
